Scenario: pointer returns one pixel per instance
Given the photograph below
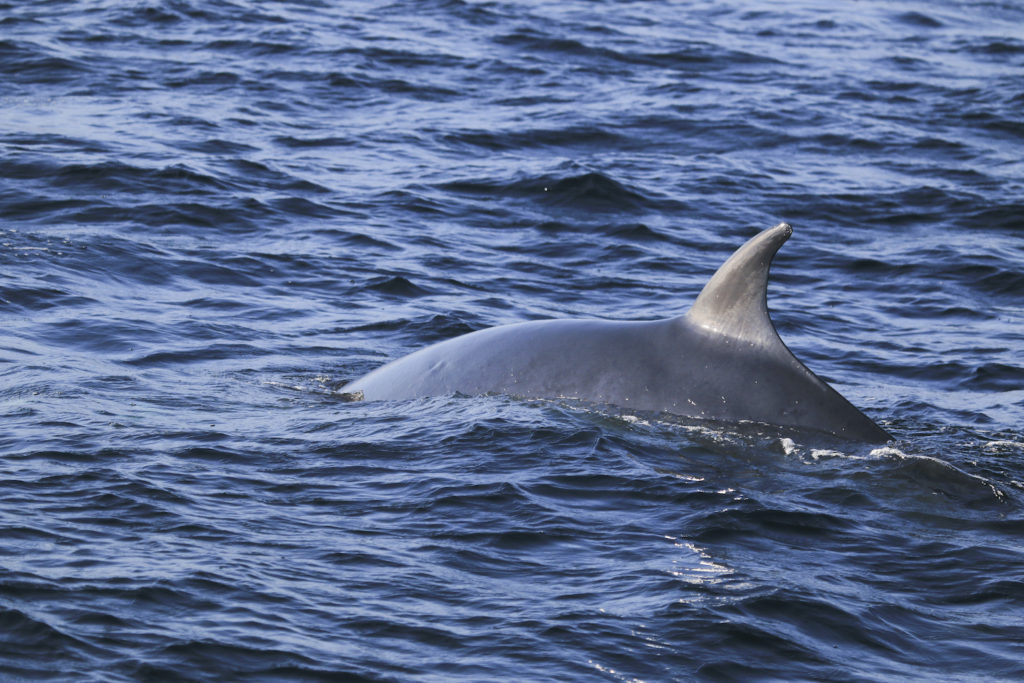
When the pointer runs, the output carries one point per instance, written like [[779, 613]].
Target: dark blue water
[[213, 214]]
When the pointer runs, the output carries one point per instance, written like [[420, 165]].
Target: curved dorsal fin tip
[[734, 301]]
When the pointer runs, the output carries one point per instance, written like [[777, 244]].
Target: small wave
[[254, 48], [112, 175], [203, 77], [36, 639], [702, 55], [990, 279], [576, 137], [998, 48], [1005, 447], [938, 477], [1005, 216], [918, 19], [591, 191], [41, 298], [217, 146], [32, 65], [995, 377], [397, 286], [196, 355], [302, 143], [299, 206], [429, 329]]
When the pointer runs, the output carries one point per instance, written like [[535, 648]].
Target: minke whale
[[722, 361]]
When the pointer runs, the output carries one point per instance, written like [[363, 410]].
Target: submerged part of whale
[[721, 361]]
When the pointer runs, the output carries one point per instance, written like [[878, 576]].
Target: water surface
[[213, 214]]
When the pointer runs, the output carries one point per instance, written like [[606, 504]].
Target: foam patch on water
[[1003, 447], [887, 452]]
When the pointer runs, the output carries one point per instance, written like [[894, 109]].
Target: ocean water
[[215, 213]]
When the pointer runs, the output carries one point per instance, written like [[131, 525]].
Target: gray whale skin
[[723, 360]]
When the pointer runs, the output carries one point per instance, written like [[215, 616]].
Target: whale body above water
[[723, 361]]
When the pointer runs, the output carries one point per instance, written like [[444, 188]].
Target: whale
[[722, 361]]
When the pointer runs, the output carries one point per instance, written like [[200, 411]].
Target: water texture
[[213, 214]]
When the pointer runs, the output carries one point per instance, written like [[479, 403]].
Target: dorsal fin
[[734, 302]]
